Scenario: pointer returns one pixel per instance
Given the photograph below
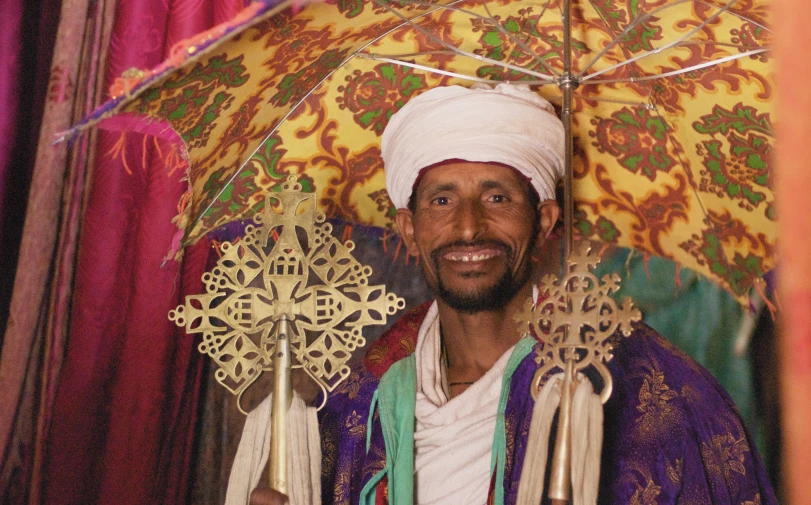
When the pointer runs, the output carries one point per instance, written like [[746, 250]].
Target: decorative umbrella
[[666, 105], [671, 115]]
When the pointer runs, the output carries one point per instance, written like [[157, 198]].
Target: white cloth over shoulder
[[453, 439], [510, 125], [304, 454], [587, 443]]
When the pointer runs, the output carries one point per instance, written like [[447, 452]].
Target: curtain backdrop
[[98, 389], [31, 344]]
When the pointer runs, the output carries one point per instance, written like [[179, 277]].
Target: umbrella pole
[[560, 481], [567, 85], [282, 398]]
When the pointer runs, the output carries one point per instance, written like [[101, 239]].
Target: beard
[[484, 299]]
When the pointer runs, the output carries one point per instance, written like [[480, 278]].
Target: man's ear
[[405, 224], [548, 214]]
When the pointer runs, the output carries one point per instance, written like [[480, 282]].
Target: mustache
[[483, 243]]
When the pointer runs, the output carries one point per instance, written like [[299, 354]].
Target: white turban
[[510, 125]]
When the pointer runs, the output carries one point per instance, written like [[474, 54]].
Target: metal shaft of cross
[[560, 479], [282, 398]]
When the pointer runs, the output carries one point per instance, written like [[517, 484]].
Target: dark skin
[[487, 208], [475, 202], [266, 496]]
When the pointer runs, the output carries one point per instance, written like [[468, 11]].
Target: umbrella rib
[[462, 52], [377, 57], [690, 181], [632, 103], [518, 41], [406, 55], [723, 44], [521, 43], [682, 70], [496, 25], [678, 153], [300, 101], [616, 40], [659, 50], [122, 100]]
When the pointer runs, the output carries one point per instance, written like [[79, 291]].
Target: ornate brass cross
[[307, 296], [575, 318]]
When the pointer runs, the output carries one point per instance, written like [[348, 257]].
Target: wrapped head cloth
[[509, 125]]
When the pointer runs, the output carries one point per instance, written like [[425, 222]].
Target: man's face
[[475, 228]]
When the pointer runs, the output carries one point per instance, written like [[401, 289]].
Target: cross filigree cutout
[[288, 264], [576, 318]]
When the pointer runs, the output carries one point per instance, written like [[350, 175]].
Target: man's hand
[[267, 496]]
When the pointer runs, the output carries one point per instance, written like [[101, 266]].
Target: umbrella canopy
[[672, 111]]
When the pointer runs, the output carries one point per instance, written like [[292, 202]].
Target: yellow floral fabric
[[678, 166]]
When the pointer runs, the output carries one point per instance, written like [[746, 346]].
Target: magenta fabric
[[26, 48], [10, 56], [126, 406]]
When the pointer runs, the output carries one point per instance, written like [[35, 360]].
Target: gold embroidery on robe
[[725, 455], [675, 471], [356, 425], [659, 417], [646, 489]]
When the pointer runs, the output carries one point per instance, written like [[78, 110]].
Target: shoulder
[[669, 391], [397, 342], [672, 430], [647, 358]]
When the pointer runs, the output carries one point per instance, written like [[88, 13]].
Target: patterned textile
[[675, 166], [672, 435]]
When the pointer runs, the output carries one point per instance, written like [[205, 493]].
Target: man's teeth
[[472, 257]]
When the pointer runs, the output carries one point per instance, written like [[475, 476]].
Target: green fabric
[[396, 398], [694, 314]]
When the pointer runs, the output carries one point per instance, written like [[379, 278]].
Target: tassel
[[760, 287], [587, 443], [385, 239], [143, 152], [628, 263], [119, 150], [157, 147], [216, 245], [645, 260]]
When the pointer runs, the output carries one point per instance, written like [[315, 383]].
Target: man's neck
[[474, 342]]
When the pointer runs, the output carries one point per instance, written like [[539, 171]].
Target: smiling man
[[441, 411]]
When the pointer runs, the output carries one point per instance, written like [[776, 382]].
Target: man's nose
[[470, 220]]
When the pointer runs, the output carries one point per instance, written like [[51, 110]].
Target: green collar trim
[[396, 398]]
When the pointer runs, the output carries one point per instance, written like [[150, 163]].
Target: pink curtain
[[793, 38], [126, 406], [31, 353], [98, 390], [26, 47]]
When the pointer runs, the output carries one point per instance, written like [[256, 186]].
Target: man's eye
[[498, 198], [440, 200]]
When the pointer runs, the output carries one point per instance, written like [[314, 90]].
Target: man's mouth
[[468, 256]]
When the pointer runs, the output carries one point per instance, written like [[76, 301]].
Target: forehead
[[472, 175]]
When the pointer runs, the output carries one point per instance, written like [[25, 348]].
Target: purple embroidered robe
[[672, 434]]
